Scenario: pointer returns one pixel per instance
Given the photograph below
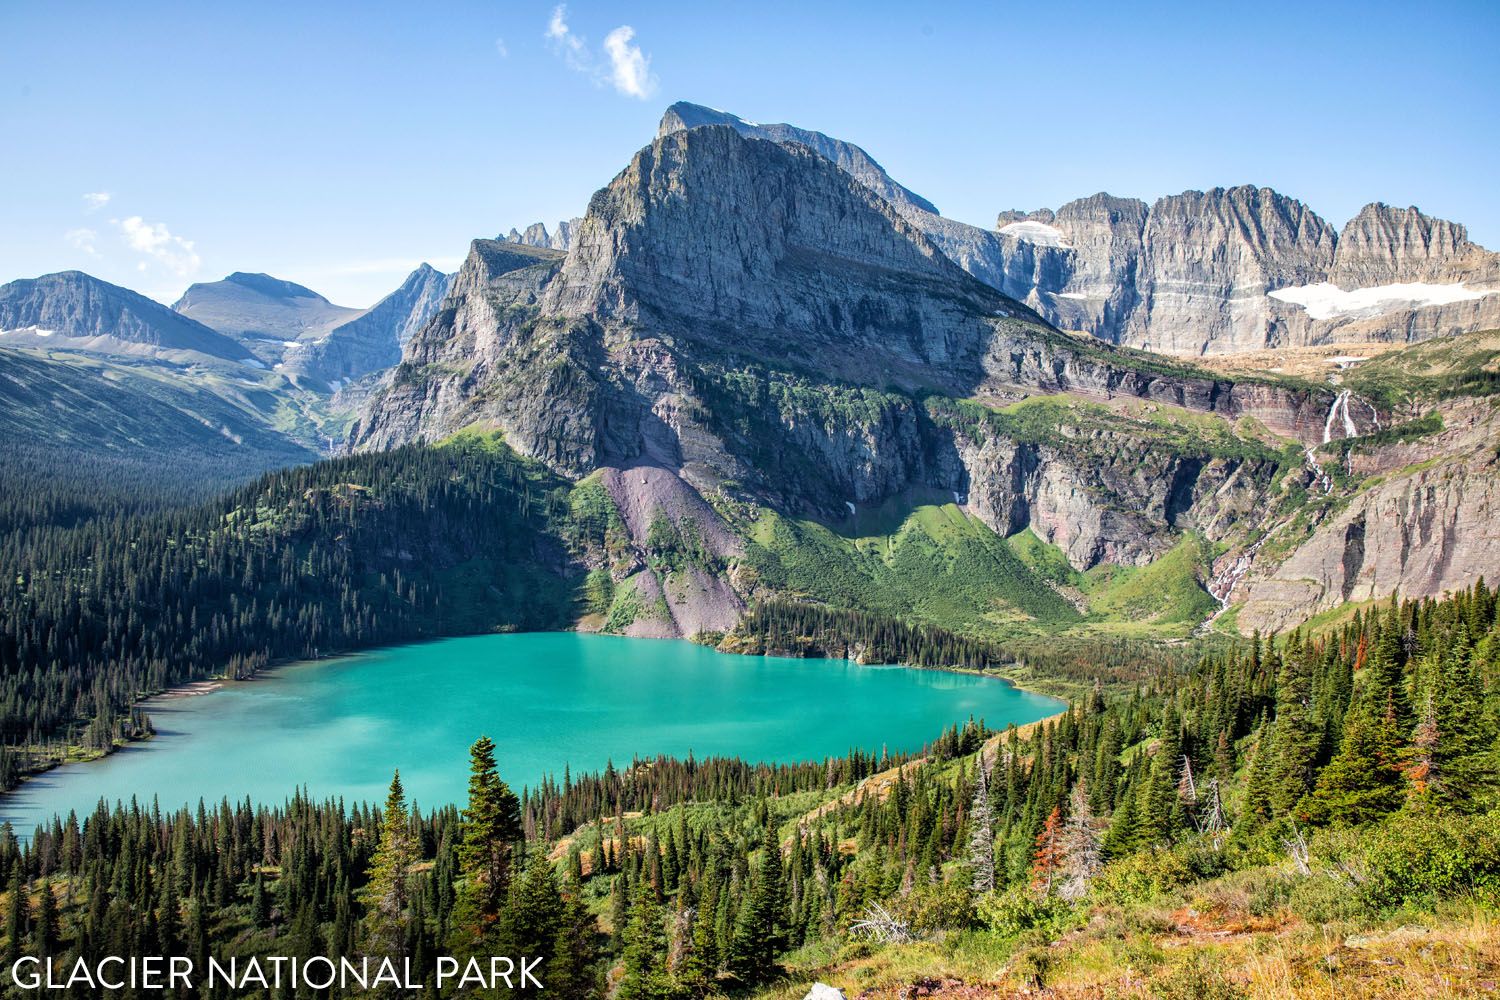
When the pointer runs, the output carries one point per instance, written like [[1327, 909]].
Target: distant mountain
[[1244, 268], [1203, 272], [76, 311], [373, 340], [271, 317], [536, 235], [71, 404]]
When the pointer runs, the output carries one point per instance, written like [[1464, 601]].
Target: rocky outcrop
[[536, 235], [77, 311], [437, 388], [1429, 524], [1104, 496]]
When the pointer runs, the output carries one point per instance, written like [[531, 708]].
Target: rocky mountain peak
[[848, 157], [1384, 244], [771, 247], [536, 235], [76, 310]]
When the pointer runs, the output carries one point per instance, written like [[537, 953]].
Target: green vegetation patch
[[939, 566]]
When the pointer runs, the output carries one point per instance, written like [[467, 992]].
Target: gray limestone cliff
[[1195, 273]]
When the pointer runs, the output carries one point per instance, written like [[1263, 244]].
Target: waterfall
[[1340, 405]]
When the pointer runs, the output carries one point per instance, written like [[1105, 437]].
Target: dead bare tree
[[1297, 849], [1211, 819], [1082, 853], [878, 924], [982, 829], [1187, 789]]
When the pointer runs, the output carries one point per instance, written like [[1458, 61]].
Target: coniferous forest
[[102, 603], [1347, 774]]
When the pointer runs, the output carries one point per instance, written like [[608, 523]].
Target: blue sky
[[339, 146]]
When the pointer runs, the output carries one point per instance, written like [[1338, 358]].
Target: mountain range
[[743, 323], [1204, 272], [778, 372]]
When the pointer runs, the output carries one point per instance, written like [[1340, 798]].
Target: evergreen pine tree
[[17, 917], [1363, 782], [387, 893], [645, 951], [532, 915], [491, 826], [760, 931], [46, 934], [572, 973]]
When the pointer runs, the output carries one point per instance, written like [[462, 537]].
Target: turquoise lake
[[339, 727]]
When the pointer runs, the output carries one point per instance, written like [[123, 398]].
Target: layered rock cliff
[[1197, 273], [1428, 522]]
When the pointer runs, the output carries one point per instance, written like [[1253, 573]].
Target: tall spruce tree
[[645, 954], [491, 828], [760, 931], [386, 896]]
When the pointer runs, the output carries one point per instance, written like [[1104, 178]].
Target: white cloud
[[95, 200], [152, 239], [564, 42], [630, 68], [623, 65], [83, 239], [501, 48]]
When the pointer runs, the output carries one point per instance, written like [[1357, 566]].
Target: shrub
[[1196, 980], [939, 906], [1420, 859], [1140, 877], [1017, 911]]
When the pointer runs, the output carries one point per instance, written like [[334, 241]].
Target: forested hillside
[[1301, 796], [349, 553]]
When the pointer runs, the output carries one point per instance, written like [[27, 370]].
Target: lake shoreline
[[205, 687]]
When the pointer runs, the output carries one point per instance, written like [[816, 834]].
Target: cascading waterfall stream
[[1227, 579]]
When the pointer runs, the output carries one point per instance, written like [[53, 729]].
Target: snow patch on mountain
[[1325, 300], [1035, 232]]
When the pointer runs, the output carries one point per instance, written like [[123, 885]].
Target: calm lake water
[[339, 727]]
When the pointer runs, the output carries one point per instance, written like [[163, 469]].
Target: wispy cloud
[[153, 240], [630, 68], [95, 200], [623, 65], [501, 48], [83, 239]]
